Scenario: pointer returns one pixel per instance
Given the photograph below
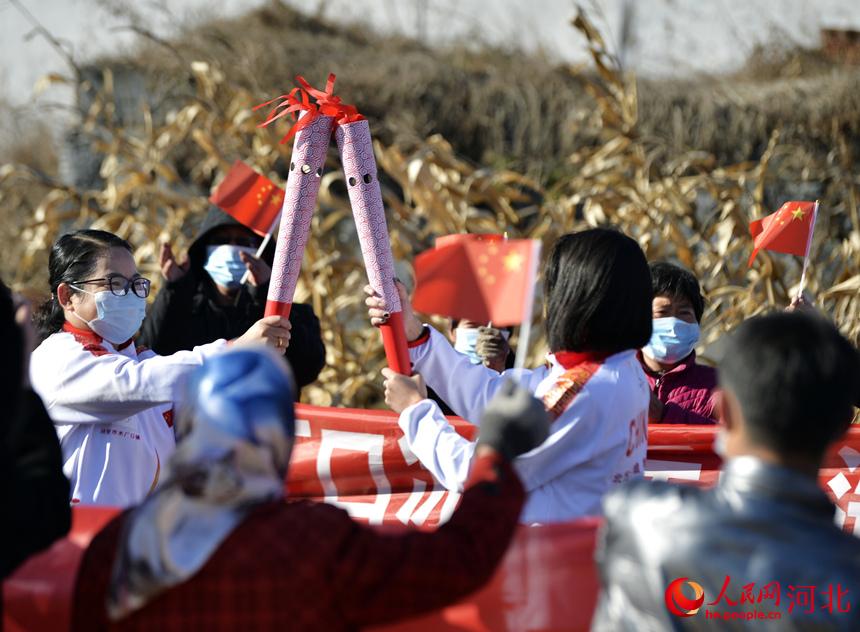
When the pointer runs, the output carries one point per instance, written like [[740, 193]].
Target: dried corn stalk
[[156, 174]]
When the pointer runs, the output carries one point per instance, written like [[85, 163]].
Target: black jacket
[[186, 314], [35, 490]]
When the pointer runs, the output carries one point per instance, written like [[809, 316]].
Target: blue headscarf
[[235, 436]]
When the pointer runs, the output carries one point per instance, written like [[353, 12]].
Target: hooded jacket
[[186, 314]]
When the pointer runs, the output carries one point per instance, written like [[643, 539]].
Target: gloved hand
[[492, 347], [514, 422]]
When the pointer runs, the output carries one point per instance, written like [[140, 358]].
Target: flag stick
[[808, 247], [526, 327], [262, 247]]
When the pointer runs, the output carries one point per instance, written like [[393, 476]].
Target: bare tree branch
[[143, 32], [55, 43]]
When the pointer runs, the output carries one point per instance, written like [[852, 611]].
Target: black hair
[[796, 379], [598, 293], [12, 366], [673, 281], [74, 256]]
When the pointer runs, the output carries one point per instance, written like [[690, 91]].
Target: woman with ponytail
[[112, 403]]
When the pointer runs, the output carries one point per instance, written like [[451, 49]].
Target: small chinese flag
[[785, 231], [250, 198], [479, 280]]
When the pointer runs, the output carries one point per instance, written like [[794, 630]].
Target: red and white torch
[[365, 196]]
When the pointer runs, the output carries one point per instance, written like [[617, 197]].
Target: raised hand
[[802, 303], [260, 272], [492, 347], [171, 269], [379, 314]]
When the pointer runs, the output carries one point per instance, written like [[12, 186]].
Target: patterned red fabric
[[308, 566], [568, 385], [303, 183], [96, 350], [687, 392], [92, 342]]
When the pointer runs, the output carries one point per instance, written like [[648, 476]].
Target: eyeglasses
[[119, 285]]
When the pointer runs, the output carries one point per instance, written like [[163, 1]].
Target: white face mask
[[672, 339], [224, 264], [465, 341], [119, 317]]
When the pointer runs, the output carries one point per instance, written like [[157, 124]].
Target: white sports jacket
[[113, 409], [599, 440]]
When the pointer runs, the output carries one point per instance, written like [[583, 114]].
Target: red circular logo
[[678, 603]]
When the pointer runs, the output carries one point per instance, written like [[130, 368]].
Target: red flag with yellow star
[[479, 280], [787, 231], [448, 240], [250, 198]]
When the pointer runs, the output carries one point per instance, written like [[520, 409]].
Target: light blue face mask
[[119, 317], [225, 266], [465, 341], [672, 340]]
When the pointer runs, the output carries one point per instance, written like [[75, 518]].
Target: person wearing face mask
[[597, 300], [485, 345], [682, 391], [789, 384], [482, 345], [112, 403], [203, 297], [219, 548]]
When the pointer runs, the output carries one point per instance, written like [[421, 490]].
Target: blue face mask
[[465, 341], [225, 266], [118, 317], [672, 340]]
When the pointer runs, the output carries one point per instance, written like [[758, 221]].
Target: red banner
[[357, 460]]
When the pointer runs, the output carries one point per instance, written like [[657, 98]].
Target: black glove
[[514, 422]]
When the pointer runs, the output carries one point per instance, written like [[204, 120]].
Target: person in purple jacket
[[682, 392]]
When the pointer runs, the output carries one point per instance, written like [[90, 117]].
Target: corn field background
[[680, 167]]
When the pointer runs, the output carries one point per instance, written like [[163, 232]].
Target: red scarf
[[579, 368], [90, 339]]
